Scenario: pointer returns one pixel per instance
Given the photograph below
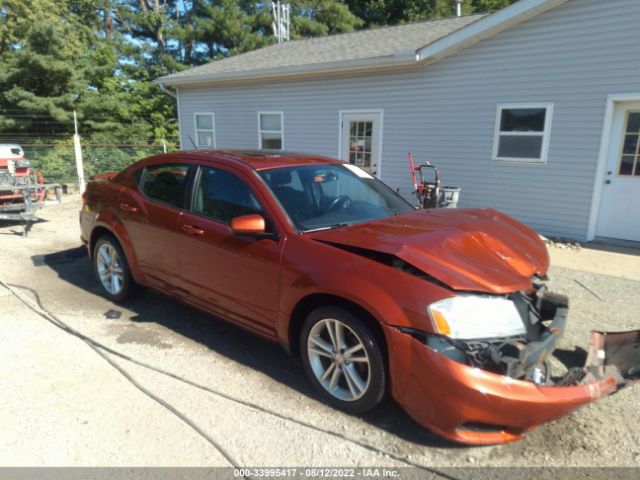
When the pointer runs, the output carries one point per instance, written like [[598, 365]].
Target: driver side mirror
[[253, 225]]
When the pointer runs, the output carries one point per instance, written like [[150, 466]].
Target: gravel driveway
[[200, 392]]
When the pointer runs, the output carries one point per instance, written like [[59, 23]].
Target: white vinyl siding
[[522, 133], [574, 56], [205, 130], [270, 130]]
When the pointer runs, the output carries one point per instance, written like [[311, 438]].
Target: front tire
[[112, 270], [343, 360]]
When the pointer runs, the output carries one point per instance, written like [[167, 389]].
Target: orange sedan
[[445, 310]]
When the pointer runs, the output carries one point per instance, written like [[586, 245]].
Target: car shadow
[[573, 362], [571, 358], [74, 267]]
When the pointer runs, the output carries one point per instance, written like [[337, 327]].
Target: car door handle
[[192, 230], [128, 208]]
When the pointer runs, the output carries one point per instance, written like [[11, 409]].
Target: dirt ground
[[245, 400]]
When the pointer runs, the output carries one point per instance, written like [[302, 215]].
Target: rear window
[[165, 183]]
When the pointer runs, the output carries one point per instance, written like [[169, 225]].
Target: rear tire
[[343, 359], [112, 270]]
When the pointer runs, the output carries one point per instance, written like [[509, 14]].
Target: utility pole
[[458, 8], [77, 148]]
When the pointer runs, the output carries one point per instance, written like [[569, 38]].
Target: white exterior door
[[619, 215], [361, 137]]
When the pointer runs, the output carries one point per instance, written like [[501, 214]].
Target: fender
[[114, 225], [369, 294]]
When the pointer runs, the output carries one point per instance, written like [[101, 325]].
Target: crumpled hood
[[476, 250]]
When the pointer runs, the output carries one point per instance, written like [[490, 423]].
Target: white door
[[619, 215], [361, 140]]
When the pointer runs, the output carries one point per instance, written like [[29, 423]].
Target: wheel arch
[[315, 300], [98, 232], [116, 230]]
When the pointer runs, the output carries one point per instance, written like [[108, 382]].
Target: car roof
[[259, 159]]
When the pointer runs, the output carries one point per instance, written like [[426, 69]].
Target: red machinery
[[22, 191], [431, 194]]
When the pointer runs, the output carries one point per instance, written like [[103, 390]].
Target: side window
[[222, 196], [165, 183]]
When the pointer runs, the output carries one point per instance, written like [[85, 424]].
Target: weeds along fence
[[105, 145], [57, 161]]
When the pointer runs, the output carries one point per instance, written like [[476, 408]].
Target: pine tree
[[67, 56], [394, 12], [41, 71], [312, 18]]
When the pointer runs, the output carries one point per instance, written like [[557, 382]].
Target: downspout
[[166, 90], [175, 97]]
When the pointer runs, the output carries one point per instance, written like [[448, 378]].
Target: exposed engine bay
[[525, 357], [544, 316]]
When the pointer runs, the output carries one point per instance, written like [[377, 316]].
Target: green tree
[[477, 6], [393, 12], [312, 18], [225, 27], [42, 74]]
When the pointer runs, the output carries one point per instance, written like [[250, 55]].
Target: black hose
[[99, 348]]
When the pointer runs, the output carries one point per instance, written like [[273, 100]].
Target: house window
[[522, 133], [270, 130], [205, 130], [630, 157]]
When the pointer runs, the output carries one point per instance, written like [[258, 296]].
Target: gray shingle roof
[[355, 46]]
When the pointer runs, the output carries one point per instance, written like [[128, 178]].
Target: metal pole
[[281, 20], [287, 22], [458, 8], [77, 148]]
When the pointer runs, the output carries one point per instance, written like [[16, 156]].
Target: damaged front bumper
[[471, 405]]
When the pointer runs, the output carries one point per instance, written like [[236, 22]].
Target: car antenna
[[192, 142]]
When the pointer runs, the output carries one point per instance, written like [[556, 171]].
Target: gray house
[[533, 110]]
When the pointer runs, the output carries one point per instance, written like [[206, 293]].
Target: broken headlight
[[476, 317]]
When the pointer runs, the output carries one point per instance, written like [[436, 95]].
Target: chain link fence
[[57, 162], [49, 142]]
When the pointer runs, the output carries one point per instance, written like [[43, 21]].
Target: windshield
[[325, 196]]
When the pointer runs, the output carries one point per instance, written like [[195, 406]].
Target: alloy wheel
[[110, 270], [339, 360]]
